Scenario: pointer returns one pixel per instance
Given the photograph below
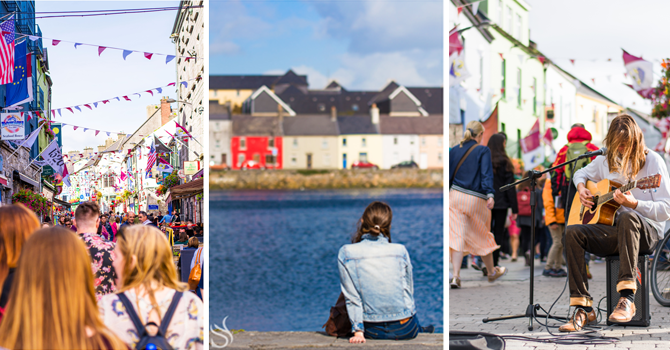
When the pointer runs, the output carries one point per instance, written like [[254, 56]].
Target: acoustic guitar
[[605, 207]]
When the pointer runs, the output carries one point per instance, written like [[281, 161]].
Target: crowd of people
[[500, 221], [93, 281]]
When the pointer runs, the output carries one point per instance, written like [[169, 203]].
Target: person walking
[[147, 286], [503, 174], [53, 303], [471, 198], [524, 219], [130, 219], [376, 281], [87, 220], [18, 223]]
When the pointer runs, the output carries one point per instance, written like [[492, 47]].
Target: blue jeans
[[393, 330]]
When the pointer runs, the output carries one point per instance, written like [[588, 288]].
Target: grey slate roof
[[310, 125], [345, 101], [245, 125], [430, 125], [432, 98], [356, 124], [253, 82], [218, 111]]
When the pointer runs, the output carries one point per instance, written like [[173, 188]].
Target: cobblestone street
[[478, 299]]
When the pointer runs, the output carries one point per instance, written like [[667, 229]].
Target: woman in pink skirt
[[470, 202]]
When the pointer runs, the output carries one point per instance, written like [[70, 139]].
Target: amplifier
[[642, 316]]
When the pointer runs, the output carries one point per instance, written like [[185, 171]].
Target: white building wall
[[399, 148], [220, 132], [561, 93]]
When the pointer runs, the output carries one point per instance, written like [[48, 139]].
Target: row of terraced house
[[277, 122]]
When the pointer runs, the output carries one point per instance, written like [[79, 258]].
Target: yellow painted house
[[311, 142], [359, 140]]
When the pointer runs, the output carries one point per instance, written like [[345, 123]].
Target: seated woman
[[53, 303], [147, 277], [376, 280], [183, 237]]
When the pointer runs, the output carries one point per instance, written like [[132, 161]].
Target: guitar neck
[[610, 195]]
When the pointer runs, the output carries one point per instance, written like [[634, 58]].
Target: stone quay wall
[[324, 179]]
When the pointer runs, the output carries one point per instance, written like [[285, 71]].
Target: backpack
[[575, 150], [523, 201], [196, 273], [338, 324], [158, 341]]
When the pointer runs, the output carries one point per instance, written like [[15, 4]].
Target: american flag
[[7, 51], [152, 159]]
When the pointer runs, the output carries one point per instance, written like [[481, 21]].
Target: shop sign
[[191, 168], [13, 126]]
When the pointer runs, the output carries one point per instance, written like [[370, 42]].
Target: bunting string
[[91, 105], [101, 48]]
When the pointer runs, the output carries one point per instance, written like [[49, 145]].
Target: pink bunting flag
[[55, 42], [75, 127], [171, 84], [29, 116], [572, 61], [148, 55], [101, 49], [151, 92], [89, 107], [53, 113], [70, 109], [97, 132], [127, 99]]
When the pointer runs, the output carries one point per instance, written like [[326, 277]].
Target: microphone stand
[[531, 309]]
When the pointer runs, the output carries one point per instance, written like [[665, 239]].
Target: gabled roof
[[430, 125], [334, 85], [245, 125], [385, 93], [264, 89], [291, 78], [310, 125], [432, 98], [402, 89], [356, 124]]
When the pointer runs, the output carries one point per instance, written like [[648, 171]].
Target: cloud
[[376, 26], [226, 47]]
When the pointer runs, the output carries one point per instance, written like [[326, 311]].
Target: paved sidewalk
[[478, 299], [302, 340]]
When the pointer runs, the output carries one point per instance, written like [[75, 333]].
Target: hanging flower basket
[[32, 200]]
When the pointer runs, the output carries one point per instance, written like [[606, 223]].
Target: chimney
[[166, 110], [374, 113], [333, 114]]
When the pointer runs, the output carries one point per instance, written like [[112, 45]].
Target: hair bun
[[377, 227]]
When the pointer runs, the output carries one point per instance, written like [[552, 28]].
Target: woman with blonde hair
[[150, 293], [18, 223], [471, 195], [53, 302]]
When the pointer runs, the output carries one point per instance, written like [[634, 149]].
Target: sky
[[361, 44], [81, 76], [593, 31]]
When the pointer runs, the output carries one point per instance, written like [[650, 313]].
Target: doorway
[[309, 161]]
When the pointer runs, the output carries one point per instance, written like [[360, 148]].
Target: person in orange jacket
[[555, 220]]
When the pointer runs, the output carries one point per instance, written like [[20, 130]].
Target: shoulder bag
[[451, 180]]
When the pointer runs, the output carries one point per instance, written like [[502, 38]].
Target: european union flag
[[17, 90]]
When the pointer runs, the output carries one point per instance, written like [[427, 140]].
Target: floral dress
[[101, 262], [184, 332]]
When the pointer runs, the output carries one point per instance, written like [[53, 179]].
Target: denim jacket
[[376, 279]]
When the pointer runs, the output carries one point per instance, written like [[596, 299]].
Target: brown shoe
[[455, 283], [588, 272], [579, 320], [624, 312], [499, 272]]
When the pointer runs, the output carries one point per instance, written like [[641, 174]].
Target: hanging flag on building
[[532, 152], [457, 71], [7, 51], [181, 131], [25, 82], [151, 160], [164, 166], [17, 90], [641, 73]]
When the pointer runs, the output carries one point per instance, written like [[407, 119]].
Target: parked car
[[406, 164], [363, 165], [252, 164]]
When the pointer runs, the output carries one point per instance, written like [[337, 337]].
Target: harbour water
[[273, 254]]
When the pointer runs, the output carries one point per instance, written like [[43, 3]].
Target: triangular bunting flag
[[76, 44], [59, 113], [572, 61], [160, 90], [96, 132], [185, 84], [171, 84], [541, 59], [126, 53], [70, 109], [107, 133], [151, 92], [501, 55], [148, 55], [95, 104], [459, 10], [89, 106], [77, 108], [126, 97], [75, 128], [105, 101], [33, 38], [169, 58], [101, 49], [55, 42]]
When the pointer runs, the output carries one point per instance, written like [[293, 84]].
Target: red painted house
[[256, 143]]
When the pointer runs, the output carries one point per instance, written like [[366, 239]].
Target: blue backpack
[[151, 342]]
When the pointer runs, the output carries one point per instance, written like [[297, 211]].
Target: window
[[240, 159], [243, 143], [501, 14], [510, 18], [518, 87], [270, 159], [503, 84], [439, 157], [344, 142], [321, 107], [295, 142], [294, 160], [423, 142], [363, 157], [518, 27], [535, 96], [324, 143], [395, 140], [214, 92], [354, 107], [238, 93], [363, 142], [218, 144], [271, 142], [439, 141]]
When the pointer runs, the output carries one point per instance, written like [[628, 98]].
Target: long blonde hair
[[472, 130], [53, 302], [148, 260], [625, 132], [17, 223]]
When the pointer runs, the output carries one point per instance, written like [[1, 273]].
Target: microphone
[[599, 152]]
